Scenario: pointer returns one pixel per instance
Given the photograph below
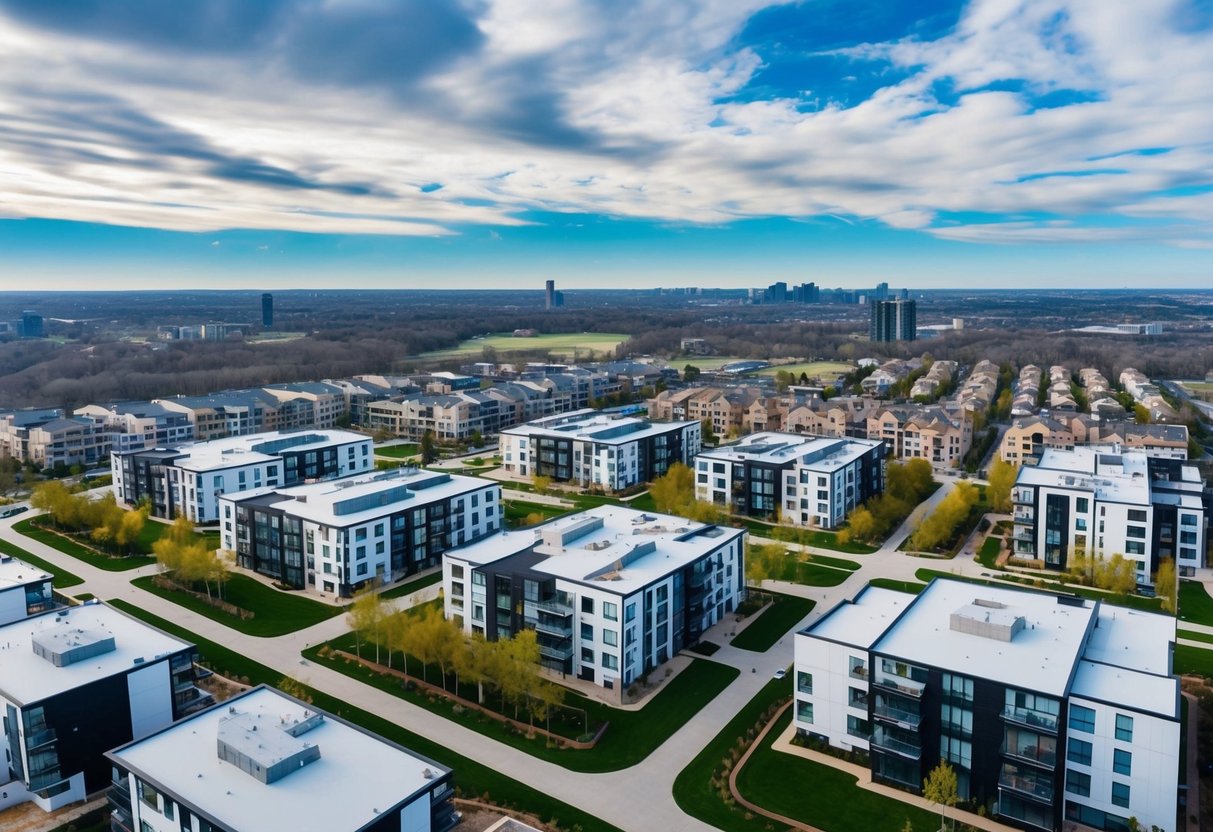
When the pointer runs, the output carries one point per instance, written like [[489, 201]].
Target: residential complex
[[1104, 503], [611, 592], [77, 682], [923, 432], [334, 537], [596, 449], [263, 760], [25, 590], [133, 426], [1051, 709], [1029, 436], [47, 438], [894, 320], [189, 479], [804, 480]]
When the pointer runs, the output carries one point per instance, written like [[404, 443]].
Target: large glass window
[[804, 711], [1124, 728], [1122, 762], [804, 682], [1120, 794], [1079, 751], [1078, 783], [958, 687], [1082, 719]]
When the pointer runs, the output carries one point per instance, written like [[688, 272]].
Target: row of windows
[[1079, 783], [1083, 719]]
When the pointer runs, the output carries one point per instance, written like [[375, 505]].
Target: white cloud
[[624, 109]]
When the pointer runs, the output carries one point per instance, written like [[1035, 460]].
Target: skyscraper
[[551, 298], [267, 310], [894, 320], [31, 325]]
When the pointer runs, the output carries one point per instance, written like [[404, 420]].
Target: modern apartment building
[[134, 426], [189, 479], [611, 592], [263, 760], [47, 438], [1105, 503], [24, 590], [77, 682], [1028, 437], [334, 537], [451, 417], [894, 320], [593, 448], [1052, 710], [922, 432], [805, 480]]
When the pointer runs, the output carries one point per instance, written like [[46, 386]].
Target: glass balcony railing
[[1029, 785], [881, 739], [902, 685], [1034, 754], [1033, 719], [900, 716], [859, 671]]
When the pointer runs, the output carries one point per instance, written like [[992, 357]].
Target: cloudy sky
[[404, 143]]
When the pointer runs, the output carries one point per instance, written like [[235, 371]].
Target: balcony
[[1023, 497], [882, 741], [40, 738], [899, 684], [558, 652], [553, 606], [1037, 756], [859, 671], [1024, 514], [1033, 786], [1032, 719], [1024, 534], [898, 716], [561, 628]]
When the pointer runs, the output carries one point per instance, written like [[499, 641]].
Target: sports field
[[813, 369], [557, 343]]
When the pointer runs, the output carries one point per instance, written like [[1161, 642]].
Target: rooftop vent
[[64, 644], [274, 751], [988, 619]]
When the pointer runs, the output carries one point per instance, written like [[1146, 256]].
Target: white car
[[781, 672]]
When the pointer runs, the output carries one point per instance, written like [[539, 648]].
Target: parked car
[[781, 672], [9, 511]]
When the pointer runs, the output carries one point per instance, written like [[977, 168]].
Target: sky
[[628, 143]]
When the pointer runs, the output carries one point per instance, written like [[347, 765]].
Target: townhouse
[[922, 432]]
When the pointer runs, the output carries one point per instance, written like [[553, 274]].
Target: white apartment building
[[134, 426], [24, 590], [1105, 503], [189, 479], [334, 537], [595, 448], [76, 682], [1051, 709], [267, 761], [805, 480], [611, 592]]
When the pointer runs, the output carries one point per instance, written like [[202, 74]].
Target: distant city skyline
[[719, 143]]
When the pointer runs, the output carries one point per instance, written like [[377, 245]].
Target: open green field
[[562, 343], [474, 778], [1195, 605], [398, 451], [813, 369], [773, 623], [276, 613]]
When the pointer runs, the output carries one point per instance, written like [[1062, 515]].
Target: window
[[1135, 547], [1138, 532], [804, 682], [1137, 515], [149, 795], [1120, 794], [1079, 752], [804, 711], [1122, 762], [587, 655], [362, 568], [610, 638], [587, 632], [1078, 783], [610, 611], [1082, 505], [610, 662], [587, 605], [958, 687], [1082, 719], [629, 612], [1124, 728]]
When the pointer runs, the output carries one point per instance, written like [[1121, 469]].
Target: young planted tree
[[1002, 478], [429, 448], [940, 787], [1166, 584], [366, 618], [674, 490]]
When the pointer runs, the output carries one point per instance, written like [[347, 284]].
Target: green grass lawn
[[989, 551], [811, 574], [398, 451], [898, 586], [472, 778], [642, 502], [277, 613], [693, 791], [412, 586], [813, 369], [806, 537], [773, 623], [516, 512], [631, 736], [1195, 636], [63, 578], [1136, 602], [557, 343], [1196, 660], [1195, 605], [70, 547], [835, 803]]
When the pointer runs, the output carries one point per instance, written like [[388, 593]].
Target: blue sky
[[626, 143]]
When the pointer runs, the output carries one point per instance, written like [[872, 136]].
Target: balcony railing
[[882, 740], [39, 738], [1032, 719], [553, 652], [899, 684], [1037, 788], [1023, 497], [1024, 514], [900, 716], [1024, 534], [1035, 755], [560, 608], [546, 625], [859, 672]]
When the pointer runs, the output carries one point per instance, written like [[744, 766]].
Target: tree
[[861, 526], [1166, 584], [764, 562], [690, 373], [366, 618], [1002, 478], [541, 483], [944, 522], [429, 450], [673, 490], [709, 433], [170, 548], [1141, 414], [1116, 574], [940, 787], [293, 687]]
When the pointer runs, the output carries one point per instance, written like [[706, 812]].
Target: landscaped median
[[89, 555], [773, 622], [273, 612], [471, 778], [63, 578], [630, 735]]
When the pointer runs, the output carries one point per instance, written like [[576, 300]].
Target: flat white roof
[[1132, 639], [814, 452], [15, 572], [232, 451], [1040, 657], [357, 777], [26, 677], [1129, 688], [365, 497], [861, 622], [1119, 478], [596, 426], [612, 548]]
